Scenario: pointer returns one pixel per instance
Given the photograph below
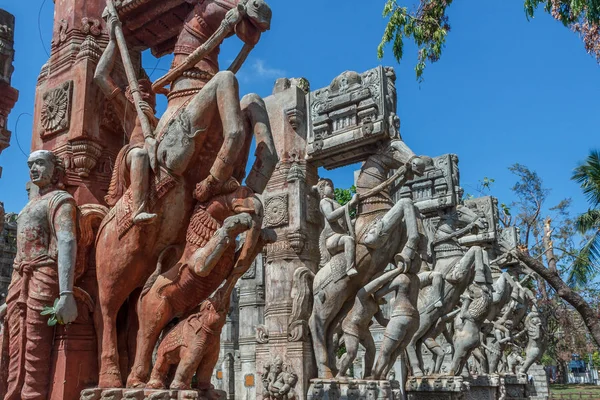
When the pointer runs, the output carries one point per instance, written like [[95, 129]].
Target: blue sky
[[506, 89]]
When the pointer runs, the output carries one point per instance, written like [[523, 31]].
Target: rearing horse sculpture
[[458, 268], [204, 139], [383, 229]]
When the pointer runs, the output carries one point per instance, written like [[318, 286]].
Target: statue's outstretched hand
[[66, 309], [112, 23]]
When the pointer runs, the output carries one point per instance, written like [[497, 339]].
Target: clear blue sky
[[506, 90]]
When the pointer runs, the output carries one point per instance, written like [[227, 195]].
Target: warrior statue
[[536, 340], [334, 237], [202, 141], [132, 166], [44, 270], [355, 326], [457, 267]]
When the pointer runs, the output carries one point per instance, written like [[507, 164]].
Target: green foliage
[[343, 196], [588, 223], [428, 27], [51, 311], [587, 175]]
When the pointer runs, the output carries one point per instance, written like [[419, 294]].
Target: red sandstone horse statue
[[203, 138]]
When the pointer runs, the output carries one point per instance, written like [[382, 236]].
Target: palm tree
[[588, 224]]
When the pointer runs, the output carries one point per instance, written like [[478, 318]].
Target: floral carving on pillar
[[276, 210], [56, 109]]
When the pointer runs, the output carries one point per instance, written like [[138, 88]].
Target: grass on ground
[[574, 388]]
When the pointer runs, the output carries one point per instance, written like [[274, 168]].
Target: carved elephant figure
[[193, 346]]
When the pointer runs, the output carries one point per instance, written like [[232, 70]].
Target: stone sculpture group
[[130, 300]]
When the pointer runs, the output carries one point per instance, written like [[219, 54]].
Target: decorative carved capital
[[297, 240], [295, 117], [85, 156]]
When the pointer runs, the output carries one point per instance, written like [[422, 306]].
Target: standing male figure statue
[[44, 270]]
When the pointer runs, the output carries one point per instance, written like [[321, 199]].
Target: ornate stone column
[[9, 94], [72, 116], [292, 211], [73, 119], [251, 314]]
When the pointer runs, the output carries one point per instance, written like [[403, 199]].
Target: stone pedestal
[[353, 389], [436, 388], [148, 394], [538, 390], [292, 211], [513, 387], [483, 387]]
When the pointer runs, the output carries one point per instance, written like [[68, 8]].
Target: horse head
[[394, 154]]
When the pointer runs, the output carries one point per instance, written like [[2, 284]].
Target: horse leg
[[110, 373], [255, 112], [413, 359], [318, 329], [154, 313], [223, 91]]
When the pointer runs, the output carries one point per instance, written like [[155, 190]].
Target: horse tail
[[159, 268], [90, 216], [302, 304]]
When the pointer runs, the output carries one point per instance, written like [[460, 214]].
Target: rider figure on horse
[[334, 237], [132, 166]]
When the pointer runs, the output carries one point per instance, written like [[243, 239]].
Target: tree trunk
[[588, 314]]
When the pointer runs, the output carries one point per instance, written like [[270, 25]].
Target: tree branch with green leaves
[[428, 26]]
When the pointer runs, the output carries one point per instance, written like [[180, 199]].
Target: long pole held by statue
[[133, 83]]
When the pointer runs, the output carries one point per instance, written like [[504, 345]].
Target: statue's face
[[41, 168], [328, 191]]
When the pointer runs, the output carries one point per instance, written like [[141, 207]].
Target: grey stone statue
[[383, 229], [279, 381], [536, 340], [334, 237], [355, 326], [44, 270], [458, 269]]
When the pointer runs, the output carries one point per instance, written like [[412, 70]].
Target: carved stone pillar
[[72, 116], [290, 209], [73, 119], [251, 314], [9, 94]]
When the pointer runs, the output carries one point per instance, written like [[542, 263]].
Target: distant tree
[[550, 247], [588, 176], [428, 26]]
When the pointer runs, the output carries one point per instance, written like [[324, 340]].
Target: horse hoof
[[110, 381], [155, 384], [175, 385]]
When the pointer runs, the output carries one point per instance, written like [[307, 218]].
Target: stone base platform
[[151, 394], [436, 388], [352, 389], [514, 387], [484, 387]]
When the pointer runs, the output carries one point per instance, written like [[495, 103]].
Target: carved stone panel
[[276, 210], [487, 208], [347, 118], [56, 109], [437, 188]]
